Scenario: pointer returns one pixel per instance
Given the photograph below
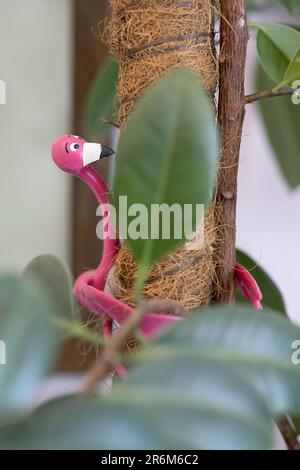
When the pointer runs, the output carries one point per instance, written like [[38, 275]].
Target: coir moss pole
[[150, 37]]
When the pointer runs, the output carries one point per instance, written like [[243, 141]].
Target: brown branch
[[288, 433], [115, 345], [231, 112], [262, 95]]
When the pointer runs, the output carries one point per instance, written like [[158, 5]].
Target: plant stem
[[231, 112], [140, 282], [288, 433], [262, 95]]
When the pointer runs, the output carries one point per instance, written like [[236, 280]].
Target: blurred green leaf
[[212, 381], [139, 416], [293, 71], [272, 297], [101, 100], [56, 279], [30, 336], [281, 118], [261, 5], [256, 344], [296, 422], [276, 47], [167, 155], [290, 5]]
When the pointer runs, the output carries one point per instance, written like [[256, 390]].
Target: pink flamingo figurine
[[74, 155]]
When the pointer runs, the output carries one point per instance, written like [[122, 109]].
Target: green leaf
[[256, 344], [210, 382], [281, 118], [293, 71], [167, 155], [272, 297], [296, 422], [290, 5], [101, 100], [276, 46], [218, 411], [56, 279], [221, 398], [30, 338]]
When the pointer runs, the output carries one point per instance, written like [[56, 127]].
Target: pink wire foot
[[247, 285]]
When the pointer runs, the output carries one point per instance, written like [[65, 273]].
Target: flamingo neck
[[95, 182], [111, 244]]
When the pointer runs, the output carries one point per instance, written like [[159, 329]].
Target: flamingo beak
[[106, 152], [93, 152]]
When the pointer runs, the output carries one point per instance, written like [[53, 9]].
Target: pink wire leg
[[111, 309], [103, 305]]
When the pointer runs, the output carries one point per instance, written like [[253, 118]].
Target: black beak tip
[[106, 152]]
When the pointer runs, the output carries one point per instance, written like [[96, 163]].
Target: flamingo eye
[[74, 147]]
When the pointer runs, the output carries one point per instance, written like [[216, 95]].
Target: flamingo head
[[72, 153]]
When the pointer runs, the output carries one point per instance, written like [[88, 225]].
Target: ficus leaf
[[101, 101], [290, 5], [138, 416], [296, 422], [258, 345], [30, 337], [281, 118], [276, 47], [212, 381], [293, 71], [56, 279]]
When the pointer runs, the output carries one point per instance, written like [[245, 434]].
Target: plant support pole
[[231, 112]]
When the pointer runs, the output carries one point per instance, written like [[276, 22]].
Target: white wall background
[[35, 63], [268, 211]]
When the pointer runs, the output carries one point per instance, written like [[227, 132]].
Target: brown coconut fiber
[[149, 38]]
